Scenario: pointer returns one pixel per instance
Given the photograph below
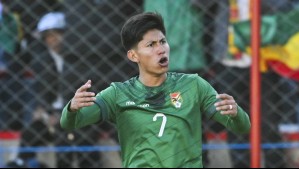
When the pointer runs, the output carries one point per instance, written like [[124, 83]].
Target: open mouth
[[163, 61]]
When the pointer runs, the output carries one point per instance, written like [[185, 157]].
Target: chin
[[164, 70]]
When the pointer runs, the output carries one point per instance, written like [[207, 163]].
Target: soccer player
[[157, 113]]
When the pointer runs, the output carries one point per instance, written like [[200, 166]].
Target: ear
[[132, 56]]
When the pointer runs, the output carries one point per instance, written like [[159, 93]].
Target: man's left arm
[[231, 115]]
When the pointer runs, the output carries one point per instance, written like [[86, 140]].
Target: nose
[[161, 49]]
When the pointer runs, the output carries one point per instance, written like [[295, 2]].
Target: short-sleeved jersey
[[161, 126]]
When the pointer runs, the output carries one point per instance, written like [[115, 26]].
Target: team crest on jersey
[[176, 99]]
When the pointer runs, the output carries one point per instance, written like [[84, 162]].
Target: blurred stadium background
[[208, 37]]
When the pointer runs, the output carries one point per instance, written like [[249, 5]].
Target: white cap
[[52, 20]]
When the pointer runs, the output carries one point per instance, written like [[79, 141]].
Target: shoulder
[[184, 76], [188, 80], [125, 84], [116, 88]]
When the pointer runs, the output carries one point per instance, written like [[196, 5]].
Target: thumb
[[86, 86]]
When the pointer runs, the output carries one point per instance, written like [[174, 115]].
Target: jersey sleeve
[[83, 117], [207, 97], [107, 100], [238, 124]]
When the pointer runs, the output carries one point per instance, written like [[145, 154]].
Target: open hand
[[82, 97]]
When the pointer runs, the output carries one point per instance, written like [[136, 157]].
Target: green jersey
[[158, 126]]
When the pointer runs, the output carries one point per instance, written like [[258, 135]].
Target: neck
[[151, 80], [56, 49]]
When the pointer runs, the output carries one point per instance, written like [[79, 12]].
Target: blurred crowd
[[49, 48]]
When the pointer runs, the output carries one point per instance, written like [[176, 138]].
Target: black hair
[[44, 33], [135, 27]]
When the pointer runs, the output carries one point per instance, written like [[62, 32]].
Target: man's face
[[53, 39], [152, 53]]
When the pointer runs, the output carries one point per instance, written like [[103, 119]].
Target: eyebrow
[[152, 41]]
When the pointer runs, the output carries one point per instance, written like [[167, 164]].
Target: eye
[[163, 41], [150, 45]]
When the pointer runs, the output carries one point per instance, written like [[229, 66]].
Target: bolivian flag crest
[[176, 99]]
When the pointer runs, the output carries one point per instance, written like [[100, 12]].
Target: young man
[[158, 113]]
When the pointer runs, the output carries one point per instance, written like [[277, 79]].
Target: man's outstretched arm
[[81, 110]]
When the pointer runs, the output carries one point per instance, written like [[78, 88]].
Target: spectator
[[10, 70], [53, 72], [27, 11]]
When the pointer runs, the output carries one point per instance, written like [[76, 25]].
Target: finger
[[224, 96], [84, 87], [77, 104], [228, 112], [85, 104], [225, 107], [225, 102], [85, 99], [78, 100], [85, 94]]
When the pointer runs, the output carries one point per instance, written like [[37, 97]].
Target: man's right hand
[[82, 97]]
